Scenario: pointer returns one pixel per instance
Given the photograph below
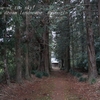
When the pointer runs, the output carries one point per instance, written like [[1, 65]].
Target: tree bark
[[67, 60], [62, 63], [99, 14], [18, 55], [27, 76], [92, 74], [73, 64], [42, 58], [68, 35], [6, 72], [82, 39], [46, 40], [27, 39], [47, 52], [41, 54]]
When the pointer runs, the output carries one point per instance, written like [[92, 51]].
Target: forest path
[[59, 86], [59, 82]]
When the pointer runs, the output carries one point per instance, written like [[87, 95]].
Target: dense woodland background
[[69, 28]]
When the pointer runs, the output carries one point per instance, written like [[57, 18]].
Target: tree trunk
[[82, 39], [7, 77], [73, 64], [68, 35], [27, 76], [99, 14], [46, 53], [18, 55], [46, 40], [41, 66], [62, 63], [47, 59], [27, 39], [67, 60], [41, 54], [68, 68], [92, 74]]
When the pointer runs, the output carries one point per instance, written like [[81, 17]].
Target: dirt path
[[59, 86], [59, 82]]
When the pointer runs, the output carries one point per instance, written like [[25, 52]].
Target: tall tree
[[67, 52], [46, 43], [7, 77], [27, 33], [18, 53], [99, 14], [90, 43]]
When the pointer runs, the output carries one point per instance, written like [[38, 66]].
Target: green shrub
[[34, 71], [39, 74], [93, 81], [45, 74], [81, 79], [72, 72], [1, 75], [78, 75], [12, 71]]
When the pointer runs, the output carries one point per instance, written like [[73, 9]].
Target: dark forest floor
[[59, 86]]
